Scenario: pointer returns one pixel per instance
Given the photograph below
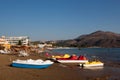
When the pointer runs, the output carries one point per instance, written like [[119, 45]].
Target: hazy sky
[[58, 19]]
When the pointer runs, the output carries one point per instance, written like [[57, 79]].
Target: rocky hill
[[95, 39]]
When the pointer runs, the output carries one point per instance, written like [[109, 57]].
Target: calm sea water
[[110, 57], [104, 54]]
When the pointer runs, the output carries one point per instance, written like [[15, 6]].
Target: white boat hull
[[72, 61], [92, 65]]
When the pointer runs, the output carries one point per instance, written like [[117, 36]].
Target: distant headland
[[96, 39]]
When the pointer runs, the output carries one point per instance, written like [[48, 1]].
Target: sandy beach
[[55, 72]]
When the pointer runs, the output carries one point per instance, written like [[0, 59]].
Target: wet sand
[[55, 72]]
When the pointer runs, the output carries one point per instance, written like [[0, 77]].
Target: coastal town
[[24, 43], [21, 43]]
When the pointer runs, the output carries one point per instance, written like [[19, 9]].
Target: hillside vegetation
[[95, 39]]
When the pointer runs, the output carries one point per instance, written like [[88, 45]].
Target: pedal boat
[[39, 64]]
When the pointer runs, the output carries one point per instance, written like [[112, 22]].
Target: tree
[[19, 42]]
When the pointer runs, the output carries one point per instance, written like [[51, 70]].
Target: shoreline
[[57, 71]]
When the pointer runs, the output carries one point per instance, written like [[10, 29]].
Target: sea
[[109, 56], [104, 54]]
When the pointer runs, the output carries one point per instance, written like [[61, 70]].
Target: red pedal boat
[[73, 59]]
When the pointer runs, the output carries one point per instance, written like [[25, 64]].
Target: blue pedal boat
[[38, 64]]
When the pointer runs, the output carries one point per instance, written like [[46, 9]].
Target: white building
[[3, 40], [15, 40], [44, 45]]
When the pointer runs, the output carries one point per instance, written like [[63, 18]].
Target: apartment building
[[15, 40]]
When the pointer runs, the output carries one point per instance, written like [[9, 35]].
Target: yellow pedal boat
[[61, 56], [93, 64]]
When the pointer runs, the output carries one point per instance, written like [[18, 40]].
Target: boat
[[73, 59], [29, 63], [60, 56], [93, 64]]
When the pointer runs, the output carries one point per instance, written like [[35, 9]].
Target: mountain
[[95, 39]]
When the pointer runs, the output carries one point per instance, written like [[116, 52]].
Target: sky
[[58, 19]]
